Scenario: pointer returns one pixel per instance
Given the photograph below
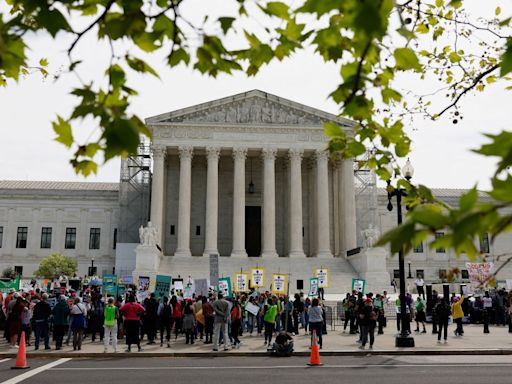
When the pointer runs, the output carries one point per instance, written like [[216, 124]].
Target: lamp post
[[92, 267], [404, 338], [410, 274]]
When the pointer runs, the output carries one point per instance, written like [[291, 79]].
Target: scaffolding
[[366, 195], [135, 193]]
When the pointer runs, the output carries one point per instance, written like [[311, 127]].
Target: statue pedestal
[[370, 263], [147, 260]]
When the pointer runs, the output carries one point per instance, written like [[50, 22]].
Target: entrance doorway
[[253, 231]]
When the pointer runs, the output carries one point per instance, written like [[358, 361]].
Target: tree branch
[[469, 88], [357, 77], [100, 17]]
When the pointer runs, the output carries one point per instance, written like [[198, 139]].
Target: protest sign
[[480, 274], [178, 284], [162, 286], [323, 277], [279, 284], [110, 285], [358, 285], [252, 308], [143, 283], [224, 287], [258, 277], [126, 280], [241, 282], [6, 285], [313, 287]]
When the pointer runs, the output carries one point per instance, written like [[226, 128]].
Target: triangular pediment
[[250, 108]]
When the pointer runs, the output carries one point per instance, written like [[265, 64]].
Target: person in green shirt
[[111, 314], [269, 320], [420, 314], [378, 307]]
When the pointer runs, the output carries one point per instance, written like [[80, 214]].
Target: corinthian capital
[[295, 153], [321, 155], [212, 153], [186, 152], [159, 151], [268, 153], [239, 153]]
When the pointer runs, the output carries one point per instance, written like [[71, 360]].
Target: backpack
[[166, 312]]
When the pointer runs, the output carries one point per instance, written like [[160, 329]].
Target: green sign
[[358, 285], [313, 287], [162, 286], [110, 284], [6, 285], [224, 286]]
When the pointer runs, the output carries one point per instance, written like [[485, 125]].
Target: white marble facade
[[205, 158]]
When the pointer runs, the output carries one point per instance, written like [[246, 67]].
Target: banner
[[241, 282], [258, 277], [313, 287], [358, 285], [6, 285], [323, 277], [224, 286], [201, 287], [480, 274], [109, 285], [162, 286], [279, 284]]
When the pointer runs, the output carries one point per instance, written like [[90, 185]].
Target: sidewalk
[[335, 343]]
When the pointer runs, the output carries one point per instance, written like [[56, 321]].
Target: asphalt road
[[226, 370]]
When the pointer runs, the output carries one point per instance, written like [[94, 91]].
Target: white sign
[[278, 283], [241, 282], [258, 277], [323, 277], [178, 285], [252, 308]]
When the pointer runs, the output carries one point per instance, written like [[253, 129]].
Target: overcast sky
[[441, 151]]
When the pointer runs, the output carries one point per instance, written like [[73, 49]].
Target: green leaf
[[468, 199], [454, 57], [140, 66], [277, 8], [43, 62], [117, 75], [422, 28], [406, 59], [52, 20], [177, 56], [86, 167], [226, 23], [63, 130], [389, 94], [429, 215], [506, 59], [403, 147], [497, 11], [332, 129], [439, 3], [146, 42]]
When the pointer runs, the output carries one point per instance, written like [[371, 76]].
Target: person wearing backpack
[[443, 311], [165, 314], [111, 314]]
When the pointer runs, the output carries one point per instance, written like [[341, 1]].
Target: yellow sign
[[323, 277], [278, 284], [258, 277]]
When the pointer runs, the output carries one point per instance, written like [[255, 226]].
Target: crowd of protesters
[[221, 322]]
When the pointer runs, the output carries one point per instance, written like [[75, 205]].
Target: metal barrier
[[335, 315]]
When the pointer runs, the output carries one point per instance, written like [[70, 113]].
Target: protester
[[443, 311], [209, 318], [132, 312], [367, 320], [420, 315], [78, 323], [316, 320], [221, 310], [189, 321], [269, 319], [457, 315], [165, 314], [60, 321], [111, 314], [41, 316], [236, 323]]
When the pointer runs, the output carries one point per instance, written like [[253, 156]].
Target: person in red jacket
[[176, 315]]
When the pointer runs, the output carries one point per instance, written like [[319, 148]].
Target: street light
[[410, 274], [91, 272], [404, 338]]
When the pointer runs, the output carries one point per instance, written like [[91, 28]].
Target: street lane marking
[[279, 367], [1, 361], [35, 371]]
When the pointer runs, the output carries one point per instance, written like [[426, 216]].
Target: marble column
[[322, 204], [157, 192], [269, 202], [239, 155], [183, 247], [296, 243], [212, 201], [348, 206]]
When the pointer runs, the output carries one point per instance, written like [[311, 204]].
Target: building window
[[418, 248], [94, 238], [396, 273], [18, 270], [21, 239], [440, 249], [115, 238], [464, 274], [172, 230], [420, 273], [484, 243], [46, 237], [198, 230], [70, 241], [442, 274], [1, 236]]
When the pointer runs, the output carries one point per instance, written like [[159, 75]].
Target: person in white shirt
[[420, 286]]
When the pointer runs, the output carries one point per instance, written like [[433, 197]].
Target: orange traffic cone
[[21, 358], [314, 359]]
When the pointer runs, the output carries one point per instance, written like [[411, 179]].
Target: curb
[[392, 352]]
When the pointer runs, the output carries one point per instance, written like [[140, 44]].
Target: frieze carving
[[251, 111]]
